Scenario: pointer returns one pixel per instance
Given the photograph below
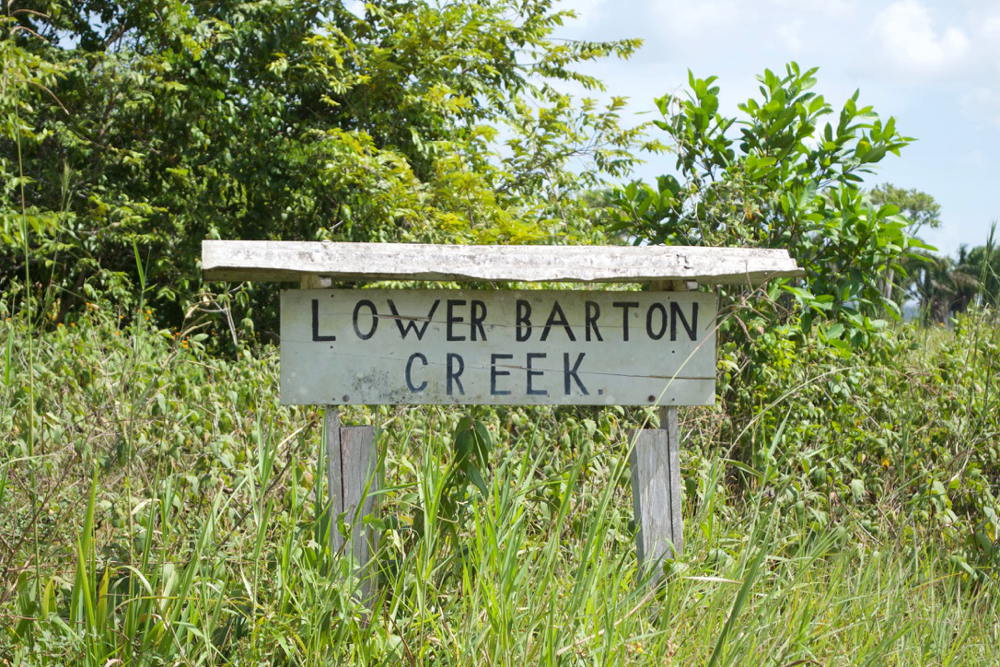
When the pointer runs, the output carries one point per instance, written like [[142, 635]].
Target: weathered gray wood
[[656, 492], [352, 483], [656, 478], [359, 484], [289, 260], [312, 281], [334, 474], [497, 347]]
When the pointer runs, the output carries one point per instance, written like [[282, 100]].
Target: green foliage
[[919, 208], [785, 173], [472, 448], [161, 124], [905, 429], [944, 286], [181, 515], [983, 263]]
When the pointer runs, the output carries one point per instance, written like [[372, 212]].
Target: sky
[[933, 65]]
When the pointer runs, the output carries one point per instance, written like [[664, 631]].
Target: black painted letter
[[354, 319], [591, 312], [677, 314], [653, 335], [409, 370], [477, 318], [557, 317], [625, 305], [315, 322], [532, 373], [523, 318], [454, 373], [454, 319], [411, 322], [572, 373], [494, 373]]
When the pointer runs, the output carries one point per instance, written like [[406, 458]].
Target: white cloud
[[790, 34], [912, 43], [697, 20], [988, 40], [831, 8], [982, 103]]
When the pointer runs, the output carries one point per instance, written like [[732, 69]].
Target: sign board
[[525, 347]]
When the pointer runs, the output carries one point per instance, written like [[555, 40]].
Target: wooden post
[[351, 479], [351, 482], [656, 480], [656, 490]]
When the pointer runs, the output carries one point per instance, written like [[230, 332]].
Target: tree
[[983, 263], [787, 172], [162, 123], [945, 286], [942, 285], [920, 210]]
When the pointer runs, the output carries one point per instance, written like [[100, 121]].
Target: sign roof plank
[[288, 261]]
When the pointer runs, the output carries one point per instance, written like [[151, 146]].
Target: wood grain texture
[[286, 261], [358, 483], [656, 492], [334, 464], [352, 485]]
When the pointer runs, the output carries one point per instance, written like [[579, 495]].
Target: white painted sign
[[497, 347]]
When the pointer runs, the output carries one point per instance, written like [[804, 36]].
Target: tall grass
[[183, 522]]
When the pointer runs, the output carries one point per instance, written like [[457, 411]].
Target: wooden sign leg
[[352, 483], [656, 490]]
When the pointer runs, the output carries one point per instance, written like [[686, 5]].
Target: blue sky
[[934, 66]]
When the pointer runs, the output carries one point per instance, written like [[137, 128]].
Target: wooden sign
[[497, 347]]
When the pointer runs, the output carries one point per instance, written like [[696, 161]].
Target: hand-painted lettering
[[455, 365], [411, 322], [592, 311], [453, 319], [315, 325], [531, 373], [652, 331], [677, 313], [364, 303], [557, 318], [571, 373], [625, 305], [496, 372], [409, 372], [476, 320], [522, 331], [476, 347]]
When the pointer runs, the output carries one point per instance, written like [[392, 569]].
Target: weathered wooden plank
[[334, 474], [352, 488], [656, 491], [655, 464], [497, 347], [290, 260], [357, 451]]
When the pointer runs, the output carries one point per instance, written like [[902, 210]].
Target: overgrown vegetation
[[177, 515], [787, 172], [160, 506], [164, 123]]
